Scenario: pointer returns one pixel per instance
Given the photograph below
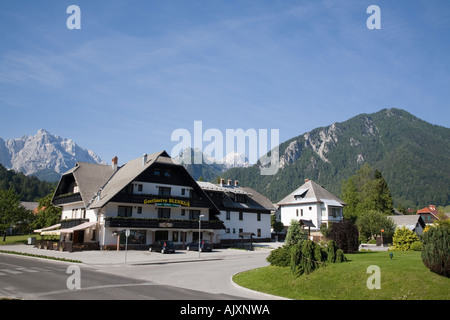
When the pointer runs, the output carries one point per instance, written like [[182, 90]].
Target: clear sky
[[137, 70]]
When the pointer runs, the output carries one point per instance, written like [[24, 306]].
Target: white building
[[156, 199], [152, 196], [310, 202], [242, 210]]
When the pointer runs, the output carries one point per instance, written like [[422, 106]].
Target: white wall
[[249, 223], [152, 188], [311, 211]]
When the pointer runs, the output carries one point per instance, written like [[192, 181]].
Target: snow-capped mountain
[[43, 152], [235, 159]]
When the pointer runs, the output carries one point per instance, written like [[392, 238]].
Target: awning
[[78, 227], [55, 226], [307, 223]]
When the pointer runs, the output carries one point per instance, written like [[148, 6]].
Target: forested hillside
[[28, 187], [412, 155]]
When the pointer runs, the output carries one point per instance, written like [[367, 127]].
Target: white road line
[[11, 271]]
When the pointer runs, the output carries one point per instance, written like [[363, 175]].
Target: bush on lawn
[[346, 236], [280, 257], [403, 239], [435, 249], [306, 256]]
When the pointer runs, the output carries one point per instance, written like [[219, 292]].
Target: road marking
[[11, 271], [26, 270]]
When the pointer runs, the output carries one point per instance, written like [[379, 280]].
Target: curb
[[266, 295]]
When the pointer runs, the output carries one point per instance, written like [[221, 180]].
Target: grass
[[403, 278], [21, 239]]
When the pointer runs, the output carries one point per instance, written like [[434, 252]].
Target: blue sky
[[137, 70]]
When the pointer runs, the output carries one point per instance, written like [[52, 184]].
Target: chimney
[[306, 180], [144, 159], [114, 162], [236, 183], [222, 182], [229, 182]]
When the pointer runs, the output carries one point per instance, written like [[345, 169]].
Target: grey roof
[[409, 221], [126, 174], [311, 192], [90, 177], [29, 205], [256, 201]]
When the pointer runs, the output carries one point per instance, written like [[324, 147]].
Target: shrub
[[346, 235], [340, 257], [331, 251], [403, 239], [295, 234], [435, 249], [416, 246], [280, 257]]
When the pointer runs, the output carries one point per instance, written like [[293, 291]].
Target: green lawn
[[403, 278], [18, 239]]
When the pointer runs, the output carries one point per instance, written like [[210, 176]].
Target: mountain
[[207, 166], [44, 155], [412, 155]]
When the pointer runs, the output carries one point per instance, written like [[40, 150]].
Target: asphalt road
[[39, 279]]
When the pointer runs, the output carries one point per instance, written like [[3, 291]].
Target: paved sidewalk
[[98, 257]]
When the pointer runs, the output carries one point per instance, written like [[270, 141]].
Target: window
[[183, 212], [183, 191], [140, 187], [163, 213], [258, 216], [296, 212], [175, 236], [167, 174], [301, 212], [241, 230], [241, 198], [194, 214], [164, 191], [157, 173], [139, 210], [228, 230], [241, 215], [228, 215], [258, 233], [124, 211]]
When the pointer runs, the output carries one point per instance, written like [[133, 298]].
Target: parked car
[[163, 246], [205, 245]]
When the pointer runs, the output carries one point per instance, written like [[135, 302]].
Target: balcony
[[67, 198], [161, 223]]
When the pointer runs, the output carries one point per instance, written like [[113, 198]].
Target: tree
[[435, 249], [345, 234], [48, 214], [366, 190], [351, 197], [295, 233], [11, 212], [371, 222]]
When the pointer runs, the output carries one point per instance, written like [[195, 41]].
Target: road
[[36, 279]]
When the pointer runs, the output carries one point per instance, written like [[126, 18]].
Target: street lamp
[[199, 227]]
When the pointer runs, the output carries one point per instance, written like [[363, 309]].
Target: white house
[[310, 202]]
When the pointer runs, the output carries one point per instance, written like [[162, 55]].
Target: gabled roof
[[89, 177], [126, 174], [409, 221], [311, 192], [430, 209]]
